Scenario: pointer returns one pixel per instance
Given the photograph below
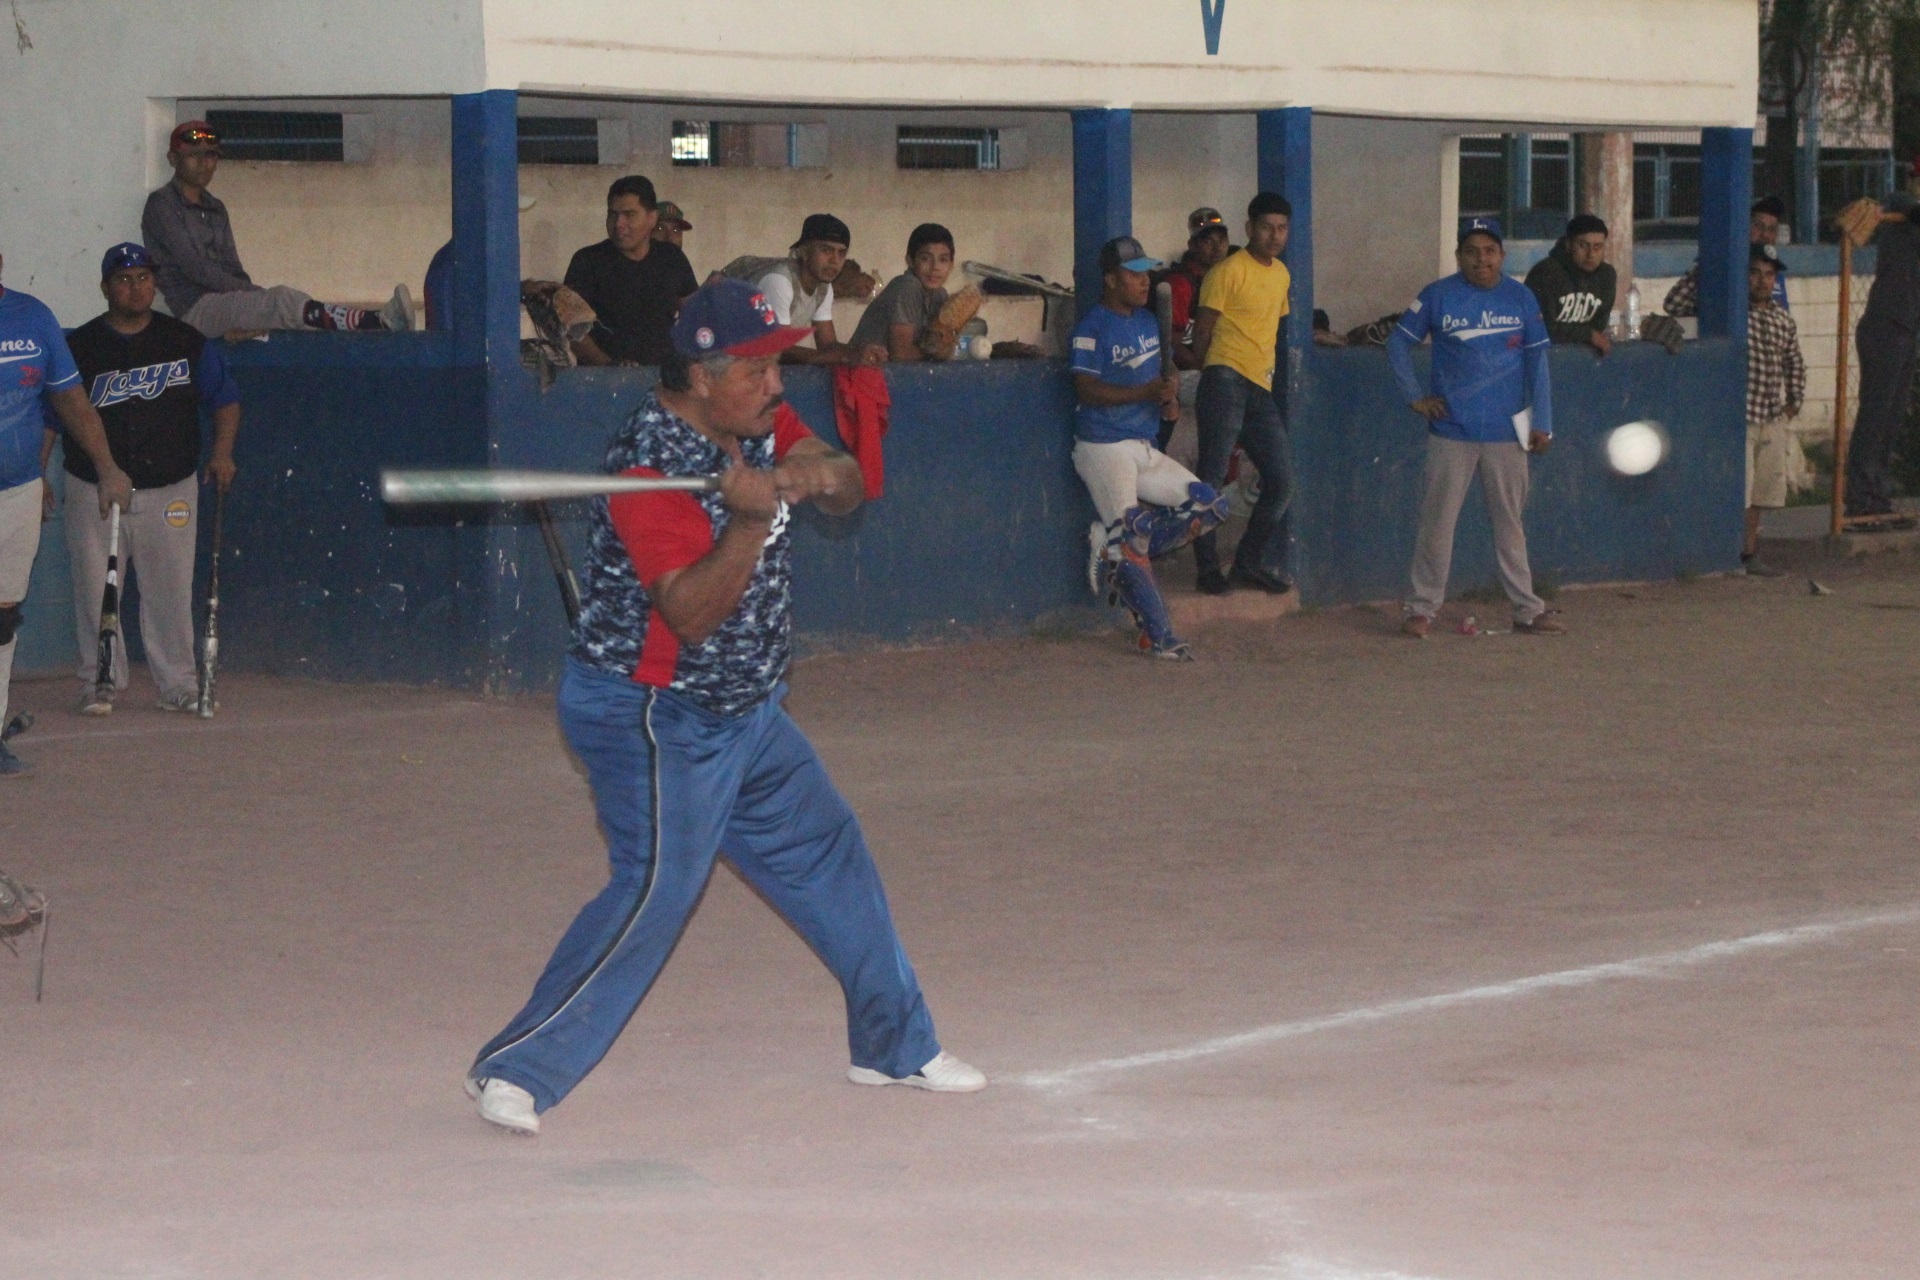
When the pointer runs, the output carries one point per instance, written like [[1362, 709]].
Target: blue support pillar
[[1284, 144], [1102, 194], [486, 229], [1726, 194]]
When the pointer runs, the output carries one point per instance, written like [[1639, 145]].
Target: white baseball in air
[[1635, 448]]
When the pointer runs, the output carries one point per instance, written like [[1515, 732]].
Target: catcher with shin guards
[[1148, 504]]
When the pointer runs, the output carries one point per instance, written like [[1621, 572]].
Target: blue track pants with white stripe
[[674, 786]]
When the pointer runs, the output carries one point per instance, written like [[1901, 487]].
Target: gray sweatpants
[[19, 543], [1451, 466], [157, 539], [218, 314]]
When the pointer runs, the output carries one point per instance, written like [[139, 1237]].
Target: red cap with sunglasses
[[193, 131]]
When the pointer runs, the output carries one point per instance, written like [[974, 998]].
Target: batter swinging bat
[[479, 485], [109, 611], [210, 648], [1163, 312]]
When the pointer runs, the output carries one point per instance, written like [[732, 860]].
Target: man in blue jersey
[[1148, 504], [1491, 404], [36, 373]]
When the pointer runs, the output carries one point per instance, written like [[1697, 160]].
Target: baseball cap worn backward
[[731, 318], [123, 257], [1125, 252], [826, 229], [672, 215]]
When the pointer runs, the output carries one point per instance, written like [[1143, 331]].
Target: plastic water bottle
[[1633, 313]]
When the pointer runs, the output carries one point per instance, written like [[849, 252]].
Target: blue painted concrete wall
[[982, 528], [1358, 454]]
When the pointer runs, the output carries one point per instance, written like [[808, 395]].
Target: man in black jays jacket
[[1575, 285]]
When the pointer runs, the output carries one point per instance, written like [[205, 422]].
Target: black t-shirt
[[150, 388], [636, 301]]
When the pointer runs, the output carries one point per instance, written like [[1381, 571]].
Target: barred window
[[742, 144], [559, 140], [279, 135], [946, 147]]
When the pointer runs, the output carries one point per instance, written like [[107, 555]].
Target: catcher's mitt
[[940, 337], [1859, 220], [561, 316], [1664, 330], [21, 910]]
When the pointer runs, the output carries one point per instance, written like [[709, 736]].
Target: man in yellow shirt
[[1236, 334]]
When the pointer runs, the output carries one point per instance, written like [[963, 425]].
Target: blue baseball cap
[[1481, 227], [731, 318], [124, 255], [1125, 252]]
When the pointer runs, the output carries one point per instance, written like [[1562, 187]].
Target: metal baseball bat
[[210, 647], [481, 485], [987, 271], [109, 611], [557, 557], [1163, 312]]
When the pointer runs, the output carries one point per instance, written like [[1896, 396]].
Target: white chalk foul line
[[1652, 966]]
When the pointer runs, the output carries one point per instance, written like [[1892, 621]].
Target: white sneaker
[[945, 1074], [186, 701], [397, 315], [93, 704], [507, 1105]]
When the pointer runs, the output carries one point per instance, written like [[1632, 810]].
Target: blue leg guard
[[1134, 587], [1155, 531]]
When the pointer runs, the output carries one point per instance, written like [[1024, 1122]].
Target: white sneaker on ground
[[507, 1105], [945, 1074], [397, 315], [92, 704], [186, 701]]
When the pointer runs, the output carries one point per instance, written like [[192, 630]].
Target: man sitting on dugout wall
[[197, 264]]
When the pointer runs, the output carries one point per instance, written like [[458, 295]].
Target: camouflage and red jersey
[[635, 539]]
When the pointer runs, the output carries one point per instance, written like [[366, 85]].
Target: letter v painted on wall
[[1212, 14]]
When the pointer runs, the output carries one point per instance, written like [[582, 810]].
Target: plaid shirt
[[1684, 298], [1776, 372]]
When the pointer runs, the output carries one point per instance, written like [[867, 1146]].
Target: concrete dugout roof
[[1644, 63]]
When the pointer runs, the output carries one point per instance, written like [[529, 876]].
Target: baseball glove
[[1859, 220], [940, 338], [1664, 330], [21, 910], [561, 316]]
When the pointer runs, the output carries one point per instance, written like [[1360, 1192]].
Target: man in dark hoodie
[[1885, 340], [1576, 285]]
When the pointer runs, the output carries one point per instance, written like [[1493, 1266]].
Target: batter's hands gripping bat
[[1163, 312], [481, 485], [109, 611], [210, 647]]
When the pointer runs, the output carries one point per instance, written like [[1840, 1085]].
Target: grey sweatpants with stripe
[[158, 534], [1503, 472]]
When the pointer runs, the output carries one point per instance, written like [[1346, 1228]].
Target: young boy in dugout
[[914, 318]]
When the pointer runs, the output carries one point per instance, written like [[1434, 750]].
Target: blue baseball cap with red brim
[[731, 318]]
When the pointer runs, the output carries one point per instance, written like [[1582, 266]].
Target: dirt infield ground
[[1303, 961]]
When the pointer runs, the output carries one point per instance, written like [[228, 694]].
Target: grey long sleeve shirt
[[192, 247]]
